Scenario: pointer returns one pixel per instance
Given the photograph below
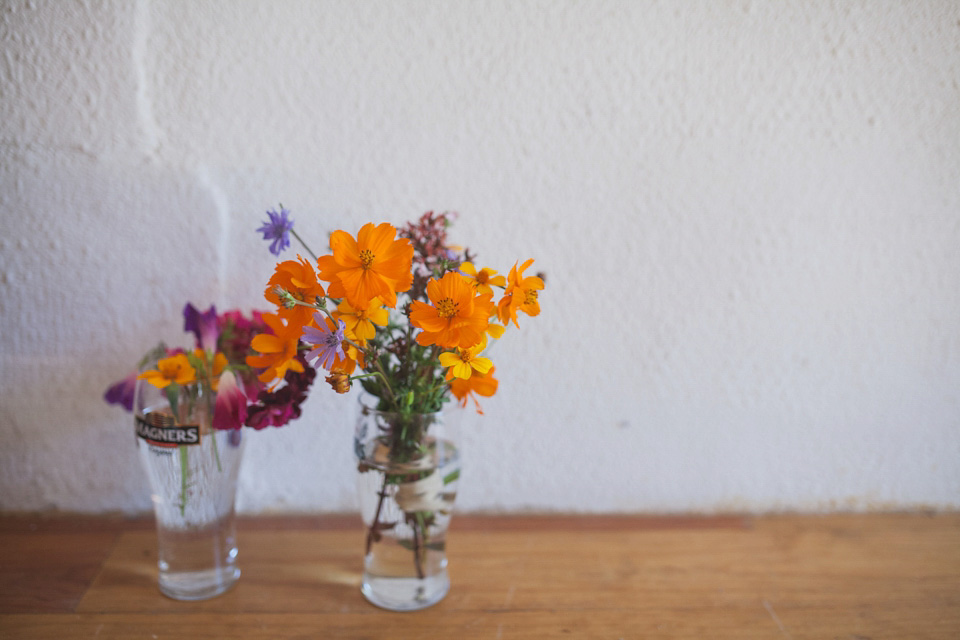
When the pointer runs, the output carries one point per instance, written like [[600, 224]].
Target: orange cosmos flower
[[457, 317], [481, 384], [521, 295], [482, 279], [375, 265], [173, 370], [300, 281], [277, 352], [360, 321], [463, 362]]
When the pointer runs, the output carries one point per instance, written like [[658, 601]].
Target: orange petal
[[266, 343], [345, 250]]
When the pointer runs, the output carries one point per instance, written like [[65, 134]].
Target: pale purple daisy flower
[[277, 229], [328, 345]]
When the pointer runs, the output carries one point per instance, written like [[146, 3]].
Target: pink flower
[[230, 411]]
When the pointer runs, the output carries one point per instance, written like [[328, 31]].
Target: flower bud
[[339, 381], [287, 301]]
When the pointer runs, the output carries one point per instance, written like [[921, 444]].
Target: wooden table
[[849, 576]]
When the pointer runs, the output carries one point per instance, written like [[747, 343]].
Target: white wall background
[[749, 213]]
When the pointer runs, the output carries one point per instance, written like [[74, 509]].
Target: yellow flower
[[375, 265], [456, 317], [521, 295], [482, 279], [495, 330], [480, 384], [173, 370], [360, 320], [463, 362], [277, 351]]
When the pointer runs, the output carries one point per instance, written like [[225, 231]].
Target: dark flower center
[[447, 308]]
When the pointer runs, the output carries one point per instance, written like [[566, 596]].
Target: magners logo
[[159, 430]]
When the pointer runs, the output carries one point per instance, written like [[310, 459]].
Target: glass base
[[197, 585], [405, 594]]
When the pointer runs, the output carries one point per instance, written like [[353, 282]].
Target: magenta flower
[[236, 334], [277, 408], [203, 325], [230, 411]]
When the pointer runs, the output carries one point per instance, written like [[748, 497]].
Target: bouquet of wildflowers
[[408, 317], [211, 387], [216, 370], [401, 312]]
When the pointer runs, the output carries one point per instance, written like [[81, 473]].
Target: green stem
[[375, 527], [184, 476], [173, 396], [420, 551], [216, 450], [213, 433], [173, 393], [361, 376], [304, 244], [385, 380], [295, 302]]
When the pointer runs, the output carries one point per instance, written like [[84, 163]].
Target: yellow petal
[[482, 365], [449, 359], [495, 330]]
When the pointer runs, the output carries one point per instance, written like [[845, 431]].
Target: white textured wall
[[749, 213]]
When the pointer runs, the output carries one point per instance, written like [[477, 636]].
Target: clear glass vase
[[409, 468], [193, 471]]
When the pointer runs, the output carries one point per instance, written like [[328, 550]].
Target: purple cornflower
[[203, 325], [328, 344], [277, 229]]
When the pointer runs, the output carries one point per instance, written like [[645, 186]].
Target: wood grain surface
[[839, 576]]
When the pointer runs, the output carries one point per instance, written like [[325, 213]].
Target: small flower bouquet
[[189, 407], [403, 313], [210, 387], [217, 368], [408, 317]]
